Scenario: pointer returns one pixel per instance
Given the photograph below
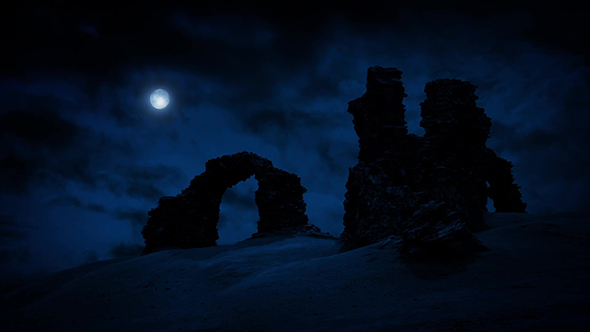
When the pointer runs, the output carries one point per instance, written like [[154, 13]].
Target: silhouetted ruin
[[189, 220], [431, 191]]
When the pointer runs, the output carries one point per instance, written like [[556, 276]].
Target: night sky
[[84, 156]]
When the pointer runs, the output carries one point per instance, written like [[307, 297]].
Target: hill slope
[[534, 278]]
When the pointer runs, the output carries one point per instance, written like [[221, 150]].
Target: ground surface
[[534, 278]]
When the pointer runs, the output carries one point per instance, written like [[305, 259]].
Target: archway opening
[[238, 213]]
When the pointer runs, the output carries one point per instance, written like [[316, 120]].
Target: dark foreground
[[535, 278]]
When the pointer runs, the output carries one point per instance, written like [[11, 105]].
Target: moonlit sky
[[84, 156]]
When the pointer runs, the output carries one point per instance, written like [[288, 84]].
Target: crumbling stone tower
[[429, 190]]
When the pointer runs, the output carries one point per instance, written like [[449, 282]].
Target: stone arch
[[189, 220]]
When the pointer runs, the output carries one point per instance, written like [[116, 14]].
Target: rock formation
[[431, 191], [189, 220]]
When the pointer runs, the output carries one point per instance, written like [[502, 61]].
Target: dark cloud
[[123, 250], [144, 190], [66, 200], [43, 127], [96, 207], [511, 138], [69, 200], [57, 29], [80, 37], [11, 230], [151, 173], [141, 181], [31, 137], [89, 29], [15, 174], [286, 122], [227, 28], [123, 117], [136, 217], [558, 26], [42, 146], [240, 200], [335, 163], [549, 149], [6, 220]]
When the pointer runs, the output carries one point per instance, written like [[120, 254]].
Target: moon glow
[[159, 99]]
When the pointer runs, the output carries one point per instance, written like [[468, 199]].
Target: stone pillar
[[379, 114], [377, 194], [280, 201], [454, 153]]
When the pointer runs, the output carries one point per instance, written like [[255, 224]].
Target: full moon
[[159, 99]]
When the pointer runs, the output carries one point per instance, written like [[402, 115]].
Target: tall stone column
[[379, 115], [377, 194], [454, 152]]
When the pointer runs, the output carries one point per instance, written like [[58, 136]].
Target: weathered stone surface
[[379, 114], [431, 191], [456, 131], [189, 220], [374, 206]]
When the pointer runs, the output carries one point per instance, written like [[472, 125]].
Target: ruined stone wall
[[189, 220], [378, 195], [430, 190]]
